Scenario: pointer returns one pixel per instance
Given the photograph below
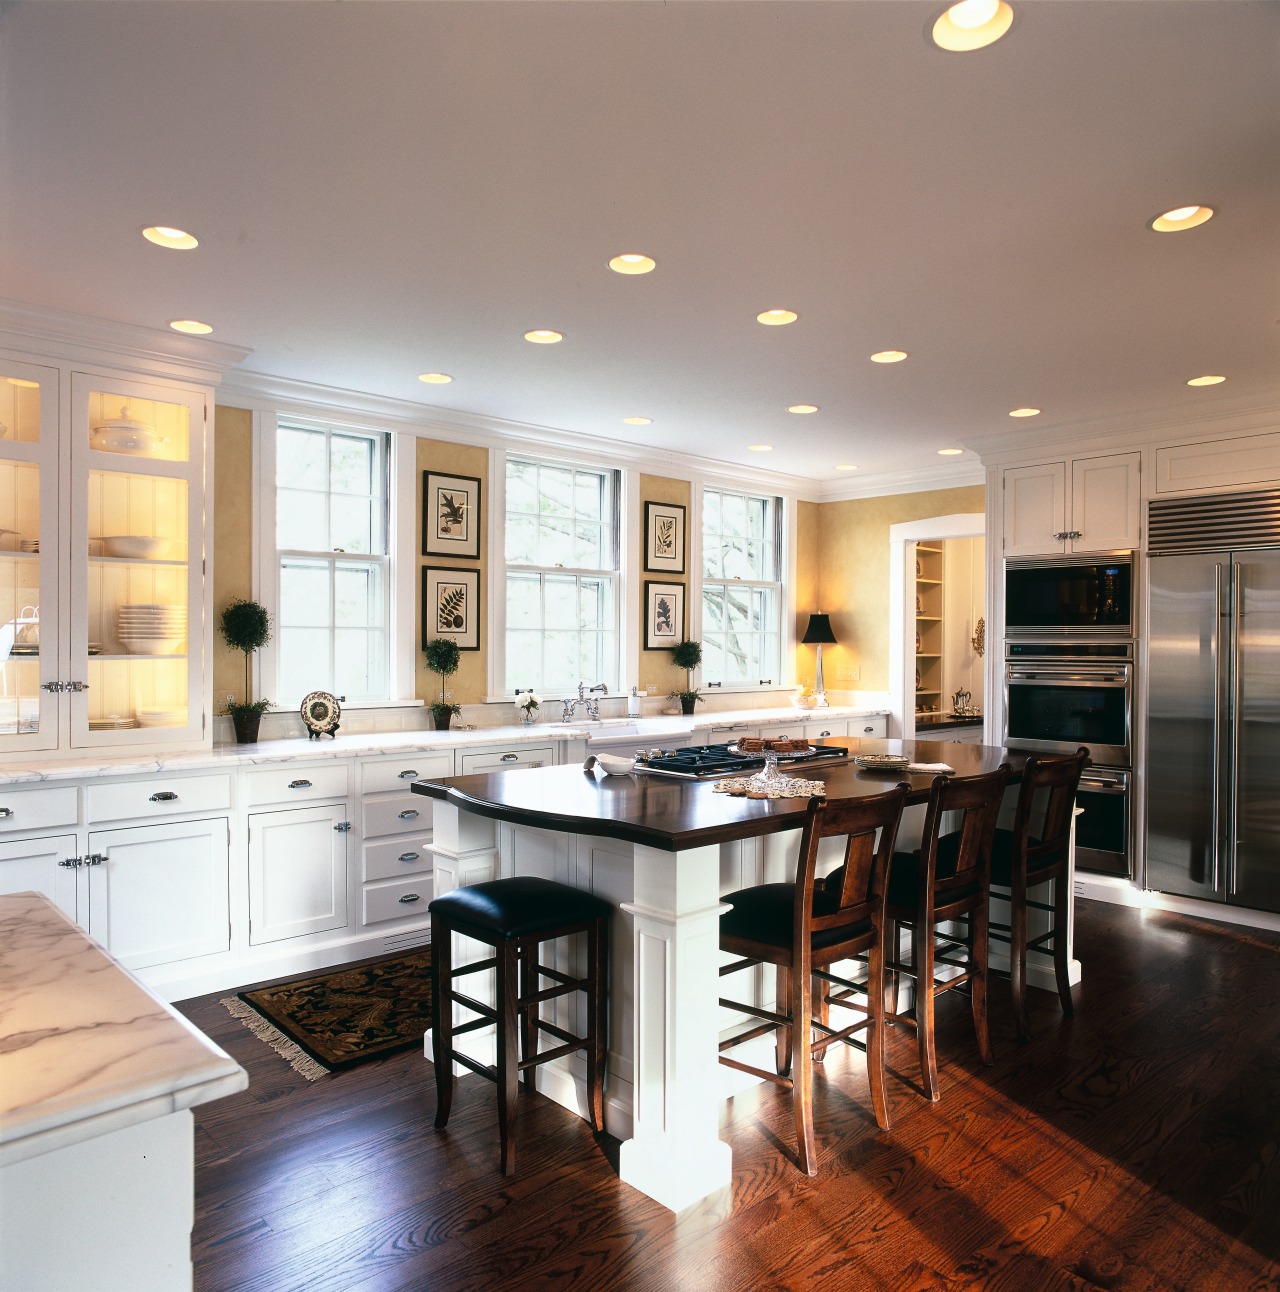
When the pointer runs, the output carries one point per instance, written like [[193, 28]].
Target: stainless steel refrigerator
[[1213, 735]]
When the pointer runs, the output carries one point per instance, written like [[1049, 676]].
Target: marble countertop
[[33, 771], [86, 1049]]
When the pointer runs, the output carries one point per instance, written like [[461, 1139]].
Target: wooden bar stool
[[515, 916], [803, 929], [1021, 860], [947, 878]]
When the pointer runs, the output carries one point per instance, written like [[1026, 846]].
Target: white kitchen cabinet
[[824, 729], [297, 871], [104, 630], [48, 865], [1087, 504], [159, 893], [505, 760]]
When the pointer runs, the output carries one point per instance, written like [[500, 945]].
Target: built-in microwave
[[1068, 597]]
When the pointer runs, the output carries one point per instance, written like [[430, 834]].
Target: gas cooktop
[[707, 762]]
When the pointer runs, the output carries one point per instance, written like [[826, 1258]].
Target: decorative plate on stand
[[321, 713]]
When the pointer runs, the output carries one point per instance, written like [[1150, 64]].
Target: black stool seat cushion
[[519, 907], [764, 914]]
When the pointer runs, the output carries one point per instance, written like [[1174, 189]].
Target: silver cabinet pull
[[343, 827], [823, 733], [409, 814], [410, 897], [70, 863], [866, 731], [408, 856], [163, 796], [6, 813], [299, 785], [509, 758], [77, 686], [95, 858], [410, 775]]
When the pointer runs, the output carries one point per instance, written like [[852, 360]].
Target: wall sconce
[[819, 634]]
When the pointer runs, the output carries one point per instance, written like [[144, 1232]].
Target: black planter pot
[[442, 720], [686, 703], [246, 725]]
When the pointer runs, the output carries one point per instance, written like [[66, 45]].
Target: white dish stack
[[152, 629]]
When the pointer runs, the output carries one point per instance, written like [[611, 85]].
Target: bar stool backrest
[[968, 859], [1046, 800]]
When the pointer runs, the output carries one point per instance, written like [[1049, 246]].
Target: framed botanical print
[[663, 615], [664, 538], [451, 606], [450, 515]]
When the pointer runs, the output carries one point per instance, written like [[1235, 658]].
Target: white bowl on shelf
[[152, 645], [136, 546]]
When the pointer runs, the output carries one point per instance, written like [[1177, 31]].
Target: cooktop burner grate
[[706, 762]]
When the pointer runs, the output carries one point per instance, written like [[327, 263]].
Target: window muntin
[[562, 576], [333, 566], [741, 589]]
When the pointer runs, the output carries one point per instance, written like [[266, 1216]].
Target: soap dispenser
[[633, 703]]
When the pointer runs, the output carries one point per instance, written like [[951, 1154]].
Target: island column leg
[[675, 1154]]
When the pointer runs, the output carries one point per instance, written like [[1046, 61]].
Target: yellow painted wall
[[656, 668], [853, 579], [467, 685], [232, 539]]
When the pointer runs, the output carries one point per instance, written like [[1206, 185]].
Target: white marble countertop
[[86, 1049], [17, 771]]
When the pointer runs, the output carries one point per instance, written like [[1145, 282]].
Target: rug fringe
[[297, 1058]]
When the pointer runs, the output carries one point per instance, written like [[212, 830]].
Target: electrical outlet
[[231, 699]]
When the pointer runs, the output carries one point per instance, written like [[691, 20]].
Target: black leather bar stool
[[1035, 851], [515, 916]]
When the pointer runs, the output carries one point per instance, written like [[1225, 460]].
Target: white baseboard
[[1123, 892]]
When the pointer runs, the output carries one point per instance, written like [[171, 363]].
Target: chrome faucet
[[593, 706], [590, 705]]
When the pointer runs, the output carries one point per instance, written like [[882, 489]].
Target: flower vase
[[528, 717]]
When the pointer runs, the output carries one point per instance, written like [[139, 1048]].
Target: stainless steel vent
[[1214, 521]]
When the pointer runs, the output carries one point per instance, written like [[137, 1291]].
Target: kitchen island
[[663, 852]]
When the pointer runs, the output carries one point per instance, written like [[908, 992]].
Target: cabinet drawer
[[158, 795], [396, 814], [289, 784], [870, 727], [383, 774], [38, 809], [832, 730], [397, 900], [503, 760], [397, 858]]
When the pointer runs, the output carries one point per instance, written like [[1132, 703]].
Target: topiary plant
[[443, 657], [246, 626]]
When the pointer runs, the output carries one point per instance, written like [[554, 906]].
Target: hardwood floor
[[1136, 1147]]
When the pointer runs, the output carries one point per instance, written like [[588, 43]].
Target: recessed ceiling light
[[543, 336], [435, 378], [888, 356], [803, 408], [175, 239], [22, 381], [638, 421], [949, 453], [972, 24], [1206, 381], [1182, 217], [760, 448], [776, 318], [192, 326], [846, 466], [1024, 412], [633, 263]]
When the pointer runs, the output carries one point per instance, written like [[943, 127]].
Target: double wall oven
[[1069, 681]]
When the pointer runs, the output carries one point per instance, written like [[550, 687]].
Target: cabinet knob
[[408, 856], [410, 897], [409, 814], [299, 785], [163, 796], [866, 731], [410, 775], [5, 813], [509, 758]]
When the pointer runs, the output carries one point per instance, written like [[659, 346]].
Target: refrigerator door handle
[[1237, 720]]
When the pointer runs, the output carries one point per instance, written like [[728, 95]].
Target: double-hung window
[[332, 488], [562, 577], [741, 589]]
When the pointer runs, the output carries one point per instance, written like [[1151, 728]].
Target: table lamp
[[818, 634]]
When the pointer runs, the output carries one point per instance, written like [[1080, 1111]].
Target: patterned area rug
[[329, 1021]]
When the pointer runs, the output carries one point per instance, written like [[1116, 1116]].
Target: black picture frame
[[451, 605], [664, 524], [663, 614], [451, 516]]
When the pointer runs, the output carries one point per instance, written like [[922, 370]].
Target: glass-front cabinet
[[102, 535]]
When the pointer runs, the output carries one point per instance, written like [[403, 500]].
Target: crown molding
[[265, 393], [40, 331], [918, 480], [1150, 426]]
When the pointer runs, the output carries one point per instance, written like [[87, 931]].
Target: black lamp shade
[[819, 633]]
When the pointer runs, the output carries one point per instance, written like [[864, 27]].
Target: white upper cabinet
[[1080, 505]]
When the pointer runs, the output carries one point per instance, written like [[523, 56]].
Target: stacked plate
[[162, 717], [152, 629]]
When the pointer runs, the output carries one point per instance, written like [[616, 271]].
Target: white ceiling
[[386, 189]]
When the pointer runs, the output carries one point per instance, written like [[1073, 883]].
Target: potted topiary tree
[[687, 655], [443, 657], [246, 626]]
